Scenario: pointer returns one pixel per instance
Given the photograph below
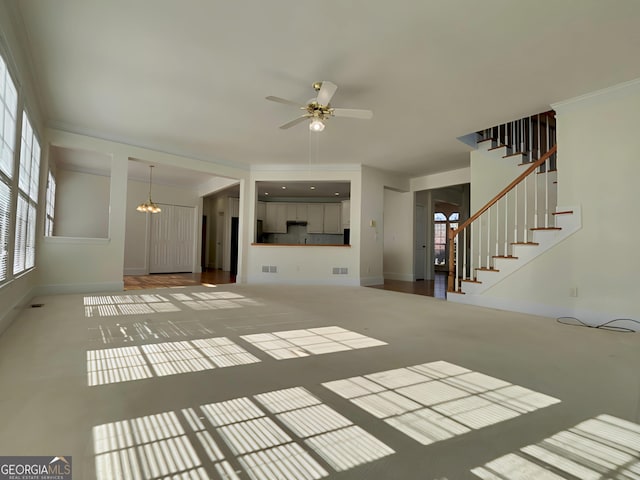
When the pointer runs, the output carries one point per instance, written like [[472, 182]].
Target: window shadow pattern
[[281, 435], [114, 365], [598, 448], [438, 400]]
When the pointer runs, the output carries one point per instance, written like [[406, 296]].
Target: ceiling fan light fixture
[[316, 125]]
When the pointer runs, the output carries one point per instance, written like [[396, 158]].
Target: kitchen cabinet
[[346, 213], [261, 211], [234, 206], [315, 218], [275, 218], [296, 212], [332, 222]]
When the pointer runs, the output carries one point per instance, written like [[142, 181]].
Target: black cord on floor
[[605, 326]]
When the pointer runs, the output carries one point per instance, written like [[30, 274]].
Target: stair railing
[[506, 220], [533, 136]]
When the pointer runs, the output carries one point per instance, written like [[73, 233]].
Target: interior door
[[420, 248], [172, 240]]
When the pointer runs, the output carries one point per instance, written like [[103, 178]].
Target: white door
[[172, 240], [420, 244]]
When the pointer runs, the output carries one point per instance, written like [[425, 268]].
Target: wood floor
[[436, 288], [432, 288], [166, 280]]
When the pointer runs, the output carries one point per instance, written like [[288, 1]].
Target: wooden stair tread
[[565, 212], [515, 154], [510, 257], [525, 243], [485, 269], [470, 281], [496, 148], [546, 228]]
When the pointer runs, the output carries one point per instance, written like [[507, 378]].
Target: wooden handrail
[[453, 233]]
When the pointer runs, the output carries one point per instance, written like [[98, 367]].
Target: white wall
[[18, 293], [598, 168], [303, 264], [72, 265], [136, 248], [372, 219], [489, 175], [443, 179], [398, 249], [82, 205]]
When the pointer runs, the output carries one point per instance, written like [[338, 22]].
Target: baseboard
[[403, 277], [274, 279], [61, 289], [10, 315], [135, 271], [368, 281], [588, 317]]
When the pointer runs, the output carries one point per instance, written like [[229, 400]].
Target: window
[[50, 205], [8, 114], [25, 238], [441, 225]]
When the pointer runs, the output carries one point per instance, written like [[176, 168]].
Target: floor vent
[[37, 305]]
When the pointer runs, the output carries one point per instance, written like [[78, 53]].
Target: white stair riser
[[546, 239]]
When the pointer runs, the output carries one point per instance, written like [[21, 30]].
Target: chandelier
[[149, 206]]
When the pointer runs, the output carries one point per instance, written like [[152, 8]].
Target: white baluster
[[488, 238], [515, 213], [464, 253], [530, 140], [506, 224], [539, 136]]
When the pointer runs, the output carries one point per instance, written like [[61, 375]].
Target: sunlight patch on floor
[[312, 341], [114, 365], [162, 445], [438, 400], [146, 304], [601, 447]]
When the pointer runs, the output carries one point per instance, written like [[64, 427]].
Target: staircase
[[522, 221]]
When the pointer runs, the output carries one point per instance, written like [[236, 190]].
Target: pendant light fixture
[[149, 206]]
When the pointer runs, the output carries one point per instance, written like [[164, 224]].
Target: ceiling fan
[[319, 109]]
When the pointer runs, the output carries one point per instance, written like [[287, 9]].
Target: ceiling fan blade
[[352, 113], [284, 100], [294, 122], [326, 92]]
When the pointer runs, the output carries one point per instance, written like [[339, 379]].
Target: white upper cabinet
[[275, 218], [315, 218], [234, 206], [332, 219], [261, 211], [346, 213], [296, 212]]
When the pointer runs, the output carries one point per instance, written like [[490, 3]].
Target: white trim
[[78, 240], [58, 289], [16, 309], [589, 317], [369, 281], [283, 167], [625, 88], [274, 279], [135, 271], [403, 277]]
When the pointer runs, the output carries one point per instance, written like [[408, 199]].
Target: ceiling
[[190, 77], [326, 189]]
